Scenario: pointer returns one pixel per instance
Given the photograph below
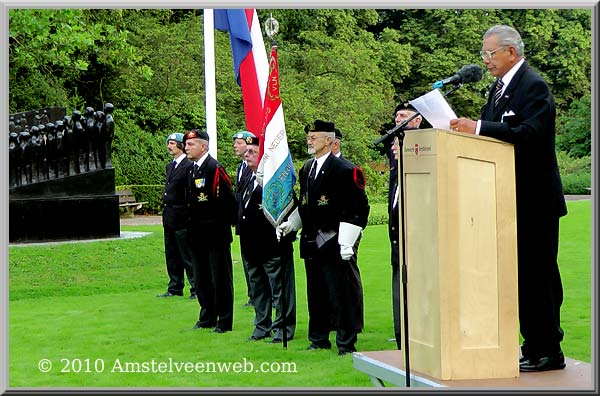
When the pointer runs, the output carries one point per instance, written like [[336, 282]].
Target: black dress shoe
[[343, 352], [314, 346], [258, 338], [522, 359], [199, 325], [219, 330], [280, 340], [546, 363], [169, 294]]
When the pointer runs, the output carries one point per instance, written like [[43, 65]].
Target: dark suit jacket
[[532, 131], [258, 239], [393, 219], [240, 187], [337, 195], [175, 210], [213, 208]]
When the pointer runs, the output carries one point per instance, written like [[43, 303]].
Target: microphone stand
[[395, 130], [399, 131]]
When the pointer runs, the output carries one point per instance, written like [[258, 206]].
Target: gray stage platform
[[387, 366]]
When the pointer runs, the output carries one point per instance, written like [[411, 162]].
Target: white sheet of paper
[[434, 107]]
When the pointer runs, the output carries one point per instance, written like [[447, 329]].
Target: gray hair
[[506, 36]]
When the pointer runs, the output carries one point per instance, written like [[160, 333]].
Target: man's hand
[[283, 229], [347, 236], [293, 223], [346, 252], [463, 125]]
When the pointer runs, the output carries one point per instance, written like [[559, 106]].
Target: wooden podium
[[461, 244]]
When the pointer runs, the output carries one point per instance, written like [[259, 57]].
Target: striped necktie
[[242, 169], [248, 191], [498, 93]]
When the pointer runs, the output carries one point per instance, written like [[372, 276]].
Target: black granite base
[[76, 207], [55, 219]]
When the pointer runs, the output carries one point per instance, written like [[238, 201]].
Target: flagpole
[[209, 81], [271, 29]]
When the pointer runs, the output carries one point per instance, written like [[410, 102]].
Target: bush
[[577, 184], [575, 173]]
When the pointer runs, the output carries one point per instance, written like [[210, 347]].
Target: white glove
[[259, 178], [346, 252], [293, 223], [347, 236]]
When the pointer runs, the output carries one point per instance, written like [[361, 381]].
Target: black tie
[[248, 191], [173, 165], [498, 93], [242, 169], [313, 173]]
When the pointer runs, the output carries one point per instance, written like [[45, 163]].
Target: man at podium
[[520, 110]]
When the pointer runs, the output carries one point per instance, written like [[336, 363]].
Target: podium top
[[458, 134]]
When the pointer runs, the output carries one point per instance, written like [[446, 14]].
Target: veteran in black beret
[[333, 212], [213, 210], [241, 140], [270, 261], [336, 147], [403, 111]]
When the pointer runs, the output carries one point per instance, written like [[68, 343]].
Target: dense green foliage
[[350, 66]]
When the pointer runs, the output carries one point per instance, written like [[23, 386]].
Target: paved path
[[141, 220], [152, 219]]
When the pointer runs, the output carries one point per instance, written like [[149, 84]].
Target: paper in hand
[[436, 110]]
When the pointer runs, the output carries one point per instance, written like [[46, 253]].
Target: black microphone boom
[[467, 74]]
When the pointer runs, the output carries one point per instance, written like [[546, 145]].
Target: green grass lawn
[[91, 307]]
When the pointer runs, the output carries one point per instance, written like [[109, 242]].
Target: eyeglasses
[[488, 54], [312, 138]]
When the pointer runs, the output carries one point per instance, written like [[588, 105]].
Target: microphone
[[466, 74]]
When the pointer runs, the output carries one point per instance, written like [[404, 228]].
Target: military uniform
[[213, 210], [242, 178], [175, 221], [334, 288], [270, 264]]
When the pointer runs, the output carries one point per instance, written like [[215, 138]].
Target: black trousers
[[214, 284], [396, 295], [540, 286], [335, 298], [179, 260], [266, 280]]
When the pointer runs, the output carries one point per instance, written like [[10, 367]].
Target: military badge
[[200, 182], [323, 201], [202, 197]]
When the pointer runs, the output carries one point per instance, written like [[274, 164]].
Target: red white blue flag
[[275, 164], [259, 80], [250, 64]]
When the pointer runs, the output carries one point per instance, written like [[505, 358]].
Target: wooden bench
[[128, 202]]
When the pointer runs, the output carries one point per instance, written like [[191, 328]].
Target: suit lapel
[[319, 176], [508, 92]]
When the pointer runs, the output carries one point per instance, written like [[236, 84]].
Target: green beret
[[243, 135]]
